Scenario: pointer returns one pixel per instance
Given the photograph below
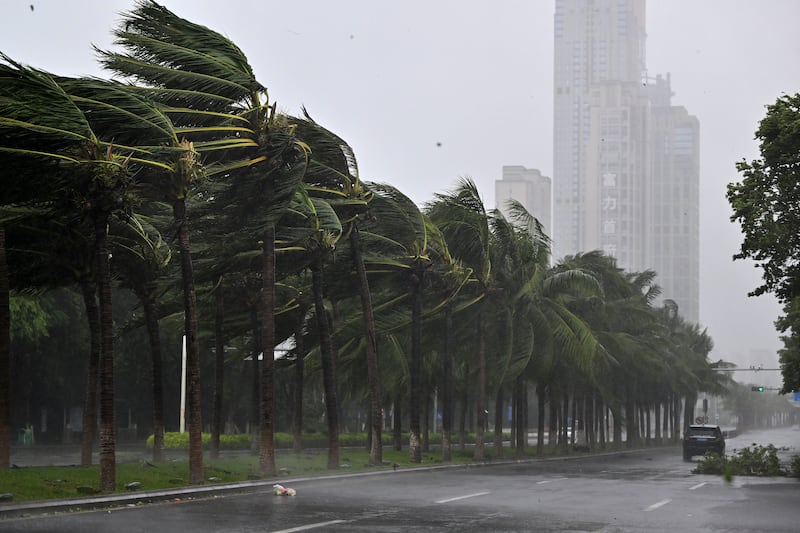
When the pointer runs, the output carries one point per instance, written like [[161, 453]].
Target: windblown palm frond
[[173, 54], [202, 81], [79, 120]]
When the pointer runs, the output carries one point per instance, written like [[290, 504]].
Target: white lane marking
[[312, 526], [697, 486], [448, 500], [544, 482], [657, 505]]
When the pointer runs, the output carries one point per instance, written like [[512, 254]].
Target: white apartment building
[[625, 161], [530, 188]]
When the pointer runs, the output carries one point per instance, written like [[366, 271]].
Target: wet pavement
[[786, 439]]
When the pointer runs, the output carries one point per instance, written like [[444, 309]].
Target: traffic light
[[757, 389]]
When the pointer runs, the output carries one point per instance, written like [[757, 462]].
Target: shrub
[[755, 461], [283, 440], [758, 461], [712, 463], [794, 466]]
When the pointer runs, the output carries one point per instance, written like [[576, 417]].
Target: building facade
[[673, 217], [530, 188], [625, 161]]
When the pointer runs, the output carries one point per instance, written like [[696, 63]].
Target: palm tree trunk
[[300, 352], [462, 419], [519, 414], [397, 424], [574, 417], [514, 406], [640, 427], [498, 422], [373, 375], [5, 357], [676, 419], [601, 422], [107, 425], [541, 401], [219, 366], [414, 447], [553, 435], [266, 455], [590, 404], [630, 418], [447, 387], [426, 419], [192, 346], [657, 420], [151, 319], [617, 414], [481, 407], [89, 291], [522, 426], [255, 389], [328, 366]]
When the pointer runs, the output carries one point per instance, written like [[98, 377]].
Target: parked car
[[702, 438]]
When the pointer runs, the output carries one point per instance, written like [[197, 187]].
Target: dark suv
[[703, 438]]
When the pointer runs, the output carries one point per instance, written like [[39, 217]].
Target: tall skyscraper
[[673, 215], [530, 188], [625, 171]]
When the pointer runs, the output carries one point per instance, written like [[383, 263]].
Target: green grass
[[57, 482]]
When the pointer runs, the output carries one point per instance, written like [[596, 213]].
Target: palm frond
[[167, 51]]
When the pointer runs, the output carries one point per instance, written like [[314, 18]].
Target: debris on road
[[280, 490]]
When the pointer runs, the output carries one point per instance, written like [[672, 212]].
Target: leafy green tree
[[765, 204], [789, 355], [765, 201]]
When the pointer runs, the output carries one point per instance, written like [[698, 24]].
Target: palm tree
[[73, 127], [333, 176], [140, 258], [618, 307], [544, 332], [315, 228], [408, 251], [519, 246], [462, 218], [207, 87]]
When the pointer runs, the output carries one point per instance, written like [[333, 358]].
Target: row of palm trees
[[101, 179]]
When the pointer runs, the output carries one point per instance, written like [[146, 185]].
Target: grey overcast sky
[[429, 90]]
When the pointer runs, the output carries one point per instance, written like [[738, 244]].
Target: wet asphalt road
[[651, 490]]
